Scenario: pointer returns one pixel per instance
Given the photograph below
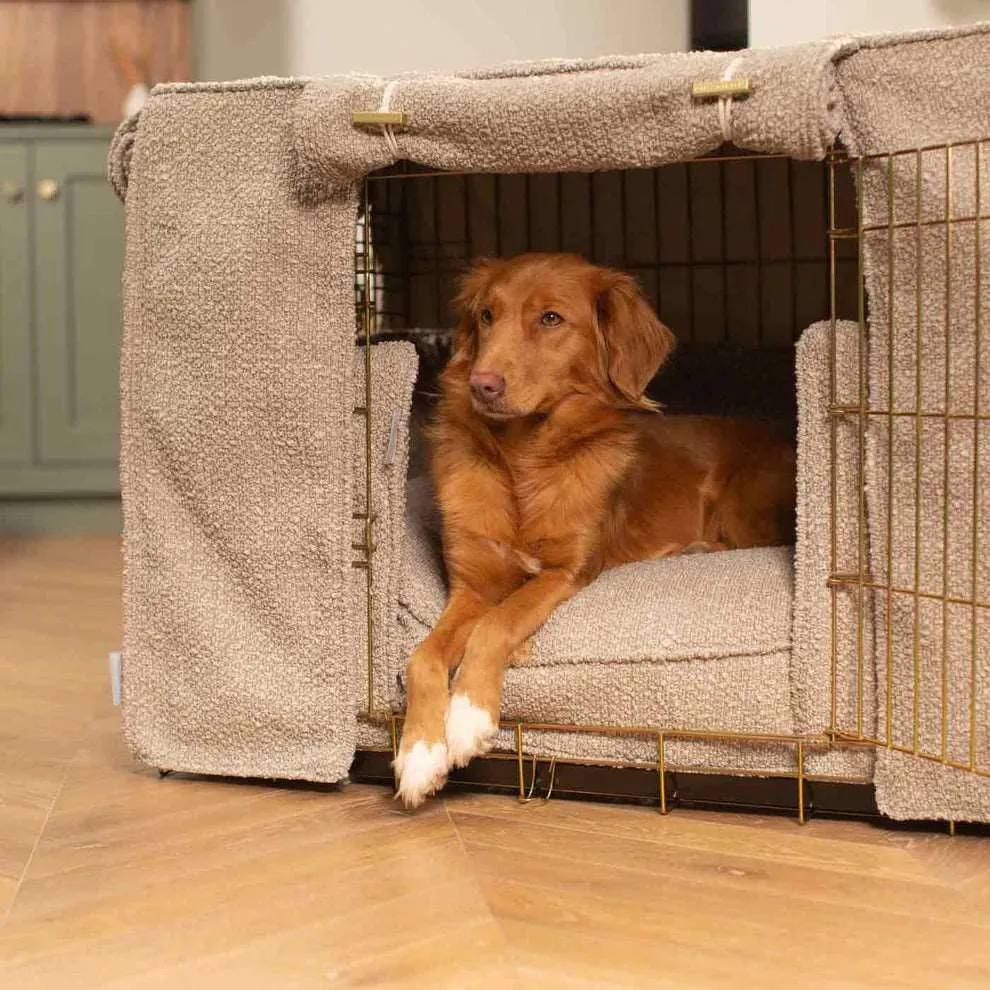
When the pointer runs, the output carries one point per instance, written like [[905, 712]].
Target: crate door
[[910, 409]]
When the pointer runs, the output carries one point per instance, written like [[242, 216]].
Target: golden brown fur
[[550, 466]]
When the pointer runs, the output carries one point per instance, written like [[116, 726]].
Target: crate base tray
[[638, 785]]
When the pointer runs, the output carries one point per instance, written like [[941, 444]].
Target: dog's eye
[[486, 316], [551, 319]]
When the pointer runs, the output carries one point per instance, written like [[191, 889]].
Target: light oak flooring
[[110, 877]]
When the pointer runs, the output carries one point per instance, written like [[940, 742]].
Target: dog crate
[[845, 220]]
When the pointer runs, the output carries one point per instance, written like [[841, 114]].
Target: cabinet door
[[15, 307], [78, 254]]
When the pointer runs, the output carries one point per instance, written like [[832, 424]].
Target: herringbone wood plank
[[114, 878]]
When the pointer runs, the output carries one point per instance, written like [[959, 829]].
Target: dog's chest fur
[[562, 487]]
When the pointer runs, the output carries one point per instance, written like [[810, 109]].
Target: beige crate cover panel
[[236, 471]]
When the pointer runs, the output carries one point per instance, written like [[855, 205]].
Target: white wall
[[239, 38], [785, 22]]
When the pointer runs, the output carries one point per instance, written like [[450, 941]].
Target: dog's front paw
[[420, 771], [470, 731]]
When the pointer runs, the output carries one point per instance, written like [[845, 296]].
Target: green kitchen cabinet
[[61, 252], [15, 309]]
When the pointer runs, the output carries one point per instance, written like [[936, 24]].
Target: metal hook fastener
[[532, 783], [553, 777]]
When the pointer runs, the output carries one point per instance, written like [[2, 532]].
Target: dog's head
[[538, 328]]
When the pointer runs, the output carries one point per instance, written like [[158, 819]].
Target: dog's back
[[742, 475]]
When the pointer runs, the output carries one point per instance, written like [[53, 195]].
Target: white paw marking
[[469, 731], [420, 771]]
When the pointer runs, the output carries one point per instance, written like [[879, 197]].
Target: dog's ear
[[467, 303], [633, 342]]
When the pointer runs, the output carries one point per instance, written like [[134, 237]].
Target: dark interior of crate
[[733, 251]]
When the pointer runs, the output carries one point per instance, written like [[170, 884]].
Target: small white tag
[[393, 439], [115, 671]]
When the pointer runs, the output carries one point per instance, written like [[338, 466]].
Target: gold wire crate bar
[[845, 738], [408, 170], [854, 233], [840, 156], [838, 580], [820, 740], [846, 409], [874, 228], [867, 582], [800, 744]]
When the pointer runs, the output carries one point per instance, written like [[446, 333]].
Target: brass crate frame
[[837, 734]]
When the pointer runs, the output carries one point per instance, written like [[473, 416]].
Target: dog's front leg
[[422, 761], [477, 697], [481, 576]]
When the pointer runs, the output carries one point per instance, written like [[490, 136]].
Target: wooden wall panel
[[56, 55]]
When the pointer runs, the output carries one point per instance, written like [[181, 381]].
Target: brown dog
[[550, 466]]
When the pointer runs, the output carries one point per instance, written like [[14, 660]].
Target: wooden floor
[[110, 877]]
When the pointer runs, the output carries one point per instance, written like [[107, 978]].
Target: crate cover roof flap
[[612, 112]]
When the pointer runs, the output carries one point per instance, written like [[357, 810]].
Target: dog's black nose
[[486, 386]]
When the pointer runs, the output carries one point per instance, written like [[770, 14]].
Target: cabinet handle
[[48, 189], [12, 191]]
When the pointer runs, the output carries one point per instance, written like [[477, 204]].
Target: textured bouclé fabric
[[236, 466]]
